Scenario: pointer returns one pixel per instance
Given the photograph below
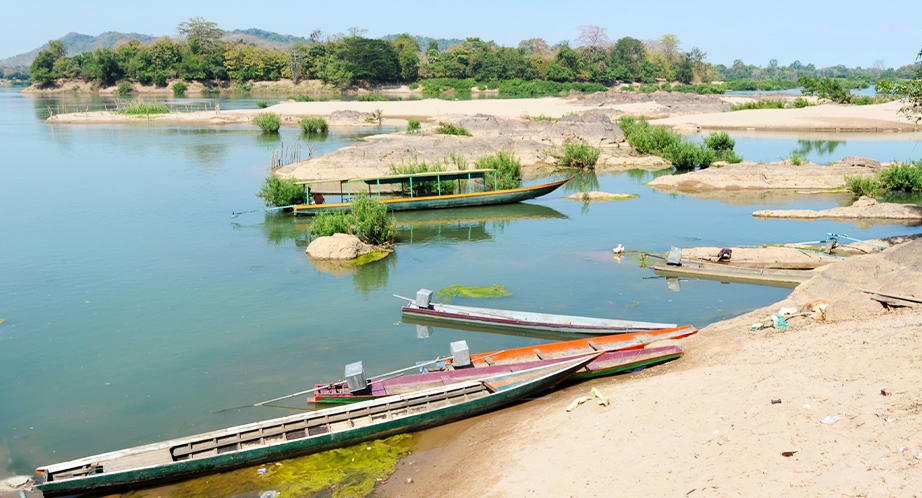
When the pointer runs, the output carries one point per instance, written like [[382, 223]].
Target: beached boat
[[467, 315], [444, 374], [381, 188], [731, 272], [300, 434]]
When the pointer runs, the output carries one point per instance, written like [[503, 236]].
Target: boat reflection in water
[[471, 224]]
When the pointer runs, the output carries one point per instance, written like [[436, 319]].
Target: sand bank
[[705, 425], [864, 208], [827, 117]]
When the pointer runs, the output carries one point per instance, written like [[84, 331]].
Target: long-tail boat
[[519, 320], [423, 191], [301, 434], [444, 373]]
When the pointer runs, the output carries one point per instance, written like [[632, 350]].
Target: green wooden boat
[[433, 197], [296, 435]]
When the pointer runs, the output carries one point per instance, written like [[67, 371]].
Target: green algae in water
[[491, 292], [341, 473], [370, 257]]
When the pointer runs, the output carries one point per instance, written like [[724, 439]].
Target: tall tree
[[594, 39], [202, 35], [43, 69], [909, 91]]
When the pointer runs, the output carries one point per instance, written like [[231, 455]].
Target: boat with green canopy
[[432, 190]]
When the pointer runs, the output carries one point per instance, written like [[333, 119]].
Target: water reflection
[[820, 147], [473, 224], [583, 181]]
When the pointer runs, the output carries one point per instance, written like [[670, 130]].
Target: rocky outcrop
[[765, 177], [531, 141], [600, 196], [863, 208], [338, 246]]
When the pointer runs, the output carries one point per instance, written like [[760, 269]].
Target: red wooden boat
[[607, 363], [621, 352]]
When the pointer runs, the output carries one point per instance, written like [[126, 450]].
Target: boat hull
[[475, 398], [609, 363], [519, 320], [489, 198]]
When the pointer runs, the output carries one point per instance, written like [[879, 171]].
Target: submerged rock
[[600, 196]]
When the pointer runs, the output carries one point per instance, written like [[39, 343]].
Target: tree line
[[352, 59]]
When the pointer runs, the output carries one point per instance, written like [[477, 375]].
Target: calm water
[[134, 306], [822, 148]]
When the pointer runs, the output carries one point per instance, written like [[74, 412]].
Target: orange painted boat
[[615, 342]]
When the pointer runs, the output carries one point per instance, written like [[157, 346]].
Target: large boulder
[[338, 246], [859, 162]]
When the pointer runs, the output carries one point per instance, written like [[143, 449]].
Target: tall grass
[[423, 187], [759, 104], [371, 97], [141, 107], [413, 126], [314, 126]]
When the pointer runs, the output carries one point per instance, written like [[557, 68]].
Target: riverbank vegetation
[[508, 169], [367, 220], [592, 62], [314, 126], [140, 107], [268, 122], [683, 154], [899, 177], [577, 153], [277, 192]]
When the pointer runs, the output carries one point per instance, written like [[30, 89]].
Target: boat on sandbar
[[443, 373], [300, 434], [520, 320]]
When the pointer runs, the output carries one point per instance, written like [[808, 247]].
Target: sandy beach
[[707, 425], [684, 111]]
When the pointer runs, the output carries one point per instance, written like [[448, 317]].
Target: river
[[134, 306]]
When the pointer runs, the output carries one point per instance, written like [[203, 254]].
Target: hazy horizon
[[846, 32]]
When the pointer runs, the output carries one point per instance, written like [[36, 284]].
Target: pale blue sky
[[819, 31]]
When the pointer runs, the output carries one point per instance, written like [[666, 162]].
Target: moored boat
[[445, 373], [426, 200], [299, 434], [520, 320]]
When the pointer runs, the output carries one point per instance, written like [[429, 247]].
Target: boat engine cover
[[461, 354], [423, 298], [355, 377]]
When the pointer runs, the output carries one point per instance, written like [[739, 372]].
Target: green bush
[[446, 128], [303, 98], [413, 126], [326, 224], [800, 103], [577, 153], [367, 220], [688, 156], [371, 97], [268, 122], [261, 104], [276, 192], [314, 126], [508, 169], [722, 145], [797, 159], [901, 177], [863, 185], [124, 88], [179, 88], [372, 224], [647, 139]]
